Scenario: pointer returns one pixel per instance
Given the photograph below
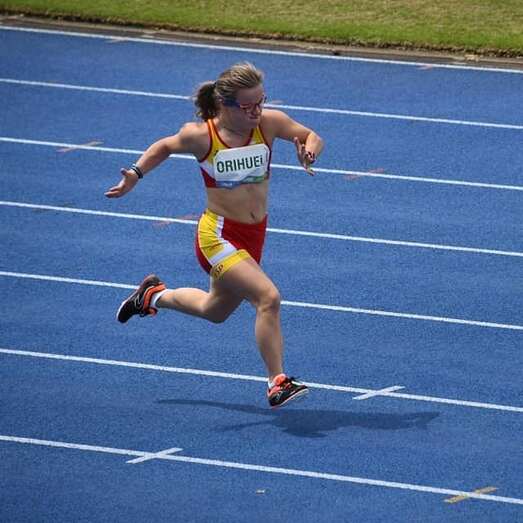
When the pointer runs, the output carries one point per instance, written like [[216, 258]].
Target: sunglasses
[[248, 108]]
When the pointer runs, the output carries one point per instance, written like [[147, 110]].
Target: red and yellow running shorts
[[222, 243]]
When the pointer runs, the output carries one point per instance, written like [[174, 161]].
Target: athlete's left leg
[[216, 305], [244, 280]]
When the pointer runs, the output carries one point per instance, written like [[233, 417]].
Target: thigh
[[222, 300], [247, 281]]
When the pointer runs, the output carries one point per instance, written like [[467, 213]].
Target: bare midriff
[[246, 203]]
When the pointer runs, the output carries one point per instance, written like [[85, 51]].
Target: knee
[[269, 301], [217, 317]]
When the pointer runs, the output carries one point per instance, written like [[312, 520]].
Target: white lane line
[[91, 212], [381, 392], [325, 110], [257, 50], [65, 280], [423, 179], [444, 181], [401, 243], [266, 469], [426, 119], [411, 316], [301, 304], [8, 139], [156, 455], [75, 446], [164, 219], [245, 377], [94, 89]]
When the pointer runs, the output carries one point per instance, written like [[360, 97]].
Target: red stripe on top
[[270, 150], [208, 180], [210, 143]]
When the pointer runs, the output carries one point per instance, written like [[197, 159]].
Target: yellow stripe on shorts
[[220, 253]]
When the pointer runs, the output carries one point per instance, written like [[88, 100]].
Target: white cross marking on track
[[381, 392], [155, 455]]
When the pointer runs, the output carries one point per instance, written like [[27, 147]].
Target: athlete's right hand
[[129, 180]]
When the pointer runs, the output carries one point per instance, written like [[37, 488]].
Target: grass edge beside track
[[472, 53]]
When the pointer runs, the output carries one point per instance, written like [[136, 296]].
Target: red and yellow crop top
[[228, 167]]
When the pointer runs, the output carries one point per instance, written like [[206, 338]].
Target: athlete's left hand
[[306, 158]]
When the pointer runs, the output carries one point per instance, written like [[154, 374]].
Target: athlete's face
[[248, 106]]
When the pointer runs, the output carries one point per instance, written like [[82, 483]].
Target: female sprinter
[[233, 148]]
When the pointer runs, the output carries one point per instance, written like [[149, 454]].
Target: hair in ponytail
[[205, 101], [209, 95]]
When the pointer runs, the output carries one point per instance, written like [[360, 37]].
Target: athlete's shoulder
[[193, 130], [271, 115], [273, 121], [195, 137], [192, 137]]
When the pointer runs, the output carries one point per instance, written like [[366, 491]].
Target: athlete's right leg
[[247, 280]]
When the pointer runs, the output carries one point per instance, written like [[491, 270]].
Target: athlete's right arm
[[185, 141]]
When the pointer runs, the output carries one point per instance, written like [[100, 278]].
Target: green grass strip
[[480, 26]]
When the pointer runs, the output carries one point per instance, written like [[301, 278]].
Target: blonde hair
[[209, 94]]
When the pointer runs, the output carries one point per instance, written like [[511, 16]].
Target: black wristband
[[137, 170]]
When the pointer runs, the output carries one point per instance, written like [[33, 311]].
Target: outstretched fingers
[[306, 158], [126, 184]]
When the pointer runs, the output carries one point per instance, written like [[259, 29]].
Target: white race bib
[[247, 164]]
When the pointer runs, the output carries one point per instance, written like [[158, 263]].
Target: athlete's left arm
[[308, 143]]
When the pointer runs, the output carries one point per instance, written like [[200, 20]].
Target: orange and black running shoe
[[139, 301], [284, 390]]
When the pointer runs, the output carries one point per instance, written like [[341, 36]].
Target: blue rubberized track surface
[[402, 309]]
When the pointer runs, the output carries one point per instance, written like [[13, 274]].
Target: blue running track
[[400, 265]]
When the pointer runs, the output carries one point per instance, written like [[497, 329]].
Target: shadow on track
[[315, 423]]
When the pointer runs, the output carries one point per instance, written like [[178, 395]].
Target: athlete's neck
[[223, 123]]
